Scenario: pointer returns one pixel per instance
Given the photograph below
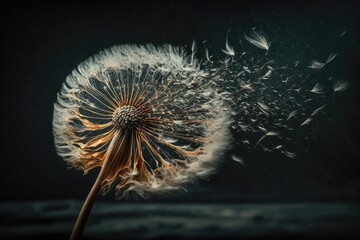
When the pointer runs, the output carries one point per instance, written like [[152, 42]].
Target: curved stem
[[86, 208], [89, 202]]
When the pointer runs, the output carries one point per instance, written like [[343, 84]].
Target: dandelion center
[[127, 116]]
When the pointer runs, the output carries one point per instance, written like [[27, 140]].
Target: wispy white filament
[[229, 50], [340, 86], [258, 40]]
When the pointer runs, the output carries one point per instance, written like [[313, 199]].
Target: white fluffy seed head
[[149, 102]]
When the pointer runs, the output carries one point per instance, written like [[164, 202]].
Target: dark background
[[42, 43]]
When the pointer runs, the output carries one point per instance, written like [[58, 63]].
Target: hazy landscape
[[119, 220]]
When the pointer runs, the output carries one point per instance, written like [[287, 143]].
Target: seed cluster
[[127, 116]]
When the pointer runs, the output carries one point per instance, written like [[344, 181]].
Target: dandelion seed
[[206, 94], [185, 146], [306, 122], [267, 135], [267, 75], [229, 50], [178, 122], [238, 159], [258, 40], [246, 69], [340, 86], [263, 106], [316, 111], [193, 51], [292, 114], [247, 87], [206, 53], [170, 140], [330, 57], [266, 149], [262, 128], [342, 33], [315, 64], [318, 89], [289, 154], [139, 95]]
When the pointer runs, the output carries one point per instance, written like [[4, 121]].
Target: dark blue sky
[[41, 44]]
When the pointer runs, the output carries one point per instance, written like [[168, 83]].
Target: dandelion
[[139, 114]]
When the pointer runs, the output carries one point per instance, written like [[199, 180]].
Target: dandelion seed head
[[138, 106]]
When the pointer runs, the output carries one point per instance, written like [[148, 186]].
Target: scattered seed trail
[[271, 96]]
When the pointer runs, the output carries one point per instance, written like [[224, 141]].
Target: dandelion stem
[[89, 202]]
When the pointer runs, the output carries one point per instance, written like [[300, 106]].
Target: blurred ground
[[119, 220]]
